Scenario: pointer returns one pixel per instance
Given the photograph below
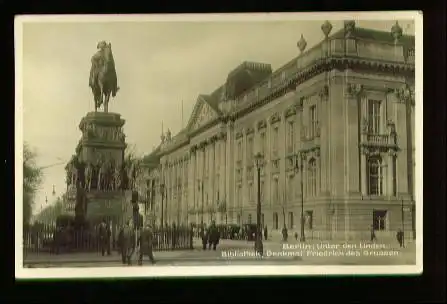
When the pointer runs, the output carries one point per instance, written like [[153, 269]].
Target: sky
[[158, 65]]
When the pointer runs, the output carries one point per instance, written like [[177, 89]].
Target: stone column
[[324, 138], [229, 165], [352, 132], [213, 170], [318, 177], [222, 172], [193, 179], [364, 173], [390, 173]]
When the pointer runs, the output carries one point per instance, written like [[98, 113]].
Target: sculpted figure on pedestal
[[116, 178], [102, 175], [124, 177], [110, 170], [88, 175], [131, 175]]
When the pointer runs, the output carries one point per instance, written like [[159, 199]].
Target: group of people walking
[[131, 240], [210, 236]]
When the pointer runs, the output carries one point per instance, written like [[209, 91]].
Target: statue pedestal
[[102, 138], [96, 176], [111, 206]]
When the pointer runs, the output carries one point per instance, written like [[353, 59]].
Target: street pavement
[[241, 252]]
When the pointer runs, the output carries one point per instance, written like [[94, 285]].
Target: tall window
[[239, 195], [239, 150], [394, 176], [275, 190], [379, 219], [375, 175], [262, 143], [308, 219], [312, 178], [217, 147], [205, 161], [250, 149], [291, 220], [275, 220], [290, 188], [313, 121], [374, 116], [290, 137], [250, 191], [275, 141]]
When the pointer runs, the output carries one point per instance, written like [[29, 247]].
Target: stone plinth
[[112, 205], [102, 138]]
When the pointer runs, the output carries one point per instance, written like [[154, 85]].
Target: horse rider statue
[[103, 80]]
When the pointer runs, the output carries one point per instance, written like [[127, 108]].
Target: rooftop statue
[[103, 80]]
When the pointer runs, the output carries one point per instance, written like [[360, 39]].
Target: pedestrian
[[146, 243], [204, 237], [373, 234], [265, 233], [285, 234], [127, 243], [296, 236], [400, 237], [213, 235], [174, 235], [104, 238]]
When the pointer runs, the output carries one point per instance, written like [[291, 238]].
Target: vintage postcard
[[218, 144]]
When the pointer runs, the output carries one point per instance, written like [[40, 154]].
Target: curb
[[162, 260]]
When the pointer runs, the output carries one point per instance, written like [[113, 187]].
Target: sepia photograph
[[218, 144]]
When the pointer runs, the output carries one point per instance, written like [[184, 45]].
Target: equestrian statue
[[103, 80]]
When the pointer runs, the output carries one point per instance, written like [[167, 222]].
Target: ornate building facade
[[343, 110]]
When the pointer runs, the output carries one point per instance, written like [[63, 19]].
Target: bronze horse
[[103, 79]]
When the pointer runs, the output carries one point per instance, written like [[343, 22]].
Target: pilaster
[[229, 165], [324, 163], [353, 93]]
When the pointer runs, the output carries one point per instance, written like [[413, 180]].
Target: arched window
[[312, 178], [275, 220], [375, 186]]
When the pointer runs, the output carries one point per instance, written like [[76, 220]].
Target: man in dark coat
[[213, 235], [104, 238], [265, 233], [127, 244], [400, 237], [204, 236], [146, 242]]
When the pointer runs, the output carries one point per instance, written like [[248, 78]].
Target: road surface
[[232, 252]]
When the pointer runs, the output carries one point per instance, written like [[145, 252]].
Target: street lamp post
[[299, 167], [162, 192], [259, 247]]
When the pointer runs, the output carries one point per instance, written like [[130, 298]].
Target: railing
[[48, 239], [377, 139]]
